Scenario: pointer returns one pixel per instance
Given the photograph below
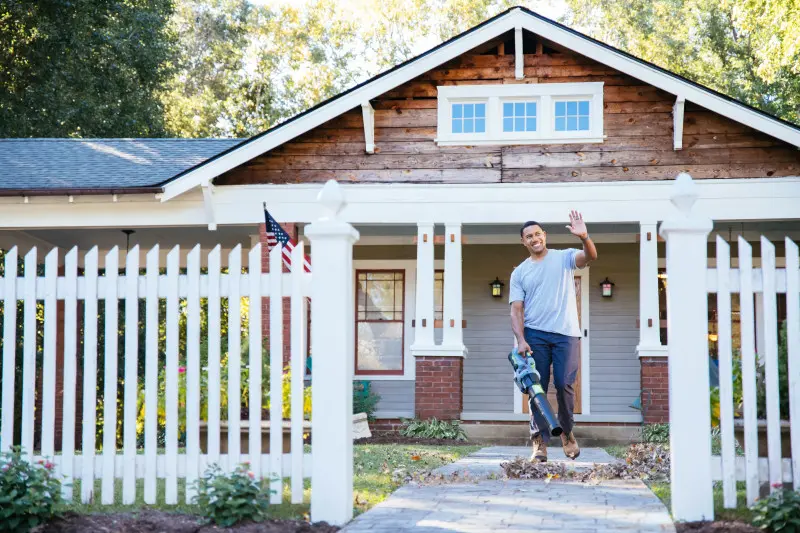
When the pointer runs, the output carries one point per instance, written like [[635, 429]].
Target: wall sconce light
[[713, 337], [607, 288], [497, 287]]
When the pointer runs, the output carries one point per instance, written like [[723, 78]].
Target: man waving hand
[[544, 319]]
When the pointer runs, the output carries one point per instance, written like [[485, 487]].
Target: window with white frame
[[545, 113]]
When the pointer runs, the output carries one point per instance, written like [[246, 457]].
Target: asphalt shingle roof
[[103, 164]]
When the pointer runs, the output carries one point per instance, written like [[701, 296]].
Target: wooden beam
[[677, 117], [369, 126], [520, 59], [208, 204]]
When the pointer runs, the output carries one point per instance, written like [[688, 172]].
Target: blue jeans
[[563, 353]]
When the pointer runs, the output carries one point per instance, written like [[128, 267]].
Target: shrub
[[364, 399], [655, 433], [29, 493], [779, 512], [433, 429], [226, 499]]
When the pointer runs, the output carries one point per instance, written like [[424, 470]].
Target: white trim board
[[407, 203], [514, 18], [469, 416]]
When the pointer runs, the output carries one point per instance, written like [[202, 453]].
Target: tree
[[83, 68], [747, 49]]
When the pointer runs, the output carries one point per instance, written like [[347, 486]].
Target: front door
[[551, 389]]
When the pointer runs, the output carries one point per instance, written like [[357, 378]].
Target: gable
[[637, 119], [650, 79]]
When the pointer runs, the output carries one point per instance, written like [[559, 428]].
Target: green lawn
[[373, 466]]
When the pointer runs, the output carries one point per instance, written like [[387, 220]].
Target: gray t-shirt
[[547, 292]]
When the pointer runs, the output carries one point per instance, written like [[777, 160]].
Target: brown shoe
[[570, 445], [539, 450]]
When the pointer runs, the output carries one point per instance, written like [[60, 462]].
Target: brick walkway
[[485, 505]]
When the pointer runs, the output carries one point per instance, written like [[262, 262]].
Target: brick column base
[[655, 389], [438, 391]]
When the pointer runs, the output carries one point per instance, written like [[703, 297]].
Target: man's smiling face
[[534, 238]]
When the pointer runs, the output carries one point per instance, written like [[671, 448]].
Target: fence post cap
[[332, 198], [684, 193]]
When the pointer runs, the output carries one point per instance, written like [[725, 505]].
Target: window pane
[[572, 108], [508, 109], [508, 124], [519, 124], [468, 110], [519, 109], [457, 125], [560, 124], [561, 109], [530, 124], [468, 126], [480, 125], [572, 123], [531, 109], [583, 108], [480, 110], [583, 123], [457, 109], [380, 346]]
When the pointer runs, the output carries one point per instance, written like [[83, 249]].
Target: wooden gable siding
[[638, 124]]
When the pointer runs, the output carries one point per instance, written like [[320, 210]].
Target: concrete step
[[517, 434]]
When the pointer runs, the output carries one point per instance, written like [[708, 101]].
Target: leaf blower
[[527, 379]]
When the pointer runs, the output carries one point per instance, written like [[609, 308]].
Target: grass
[[373, 481], [740, 513], [664, 490]]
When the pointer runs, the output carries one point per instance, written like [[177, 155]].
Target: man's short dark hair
[[529, 223]]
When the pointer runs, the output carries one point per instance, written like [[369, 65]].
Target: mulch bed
[[716, 527], [159, 521], [390, 438]]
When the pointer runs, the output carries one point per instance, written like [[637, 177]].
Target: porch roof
[[86, 166]]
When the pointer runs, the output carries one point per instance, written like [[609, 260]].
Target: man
[[544, 318]]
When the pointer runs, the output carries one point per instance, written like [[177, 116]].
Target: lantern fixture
[[607, 288], [497, 287]]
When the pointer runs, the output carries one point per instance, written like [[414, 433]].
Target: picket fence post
[[332, 347], [686, 235]]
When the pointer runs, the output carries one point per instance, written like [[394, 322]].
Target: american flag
[[276, 234]]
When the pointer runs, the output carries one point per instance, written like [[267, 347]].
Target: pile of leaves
[[643, 461]]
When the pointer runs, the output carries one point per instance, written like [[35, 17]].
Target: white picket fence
[[690, 281], [182, 292]]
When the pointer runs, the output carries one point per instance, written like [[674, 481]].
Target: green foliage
[[761, 384], [83, 68], [655, 433], [433, 429], [779, 512], [29, 493], [364, 399], [747, 49], [227, 499]]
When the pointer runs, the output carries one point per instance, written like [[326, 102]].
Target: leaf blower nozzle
[[527, 379]]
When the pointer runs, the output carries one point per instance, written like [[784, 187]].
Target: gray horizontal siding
[[396, 396], [615, 381]]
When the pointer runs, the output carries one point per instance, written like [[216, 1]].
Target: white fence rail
[[690, 281]]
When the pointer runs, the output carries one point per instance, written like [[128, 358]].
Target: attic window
[[547, 113]]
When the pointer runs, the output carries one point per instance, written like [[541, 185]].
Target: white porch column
[[453, 334], [333, 336], [649, 319], [423, 323], [687, 307]]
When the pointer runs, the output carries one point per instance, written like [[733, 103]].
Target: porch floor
[[490, 504]]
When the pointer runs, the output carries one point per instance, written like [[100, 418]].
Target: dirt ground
[[160, 521], [716, 527]]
